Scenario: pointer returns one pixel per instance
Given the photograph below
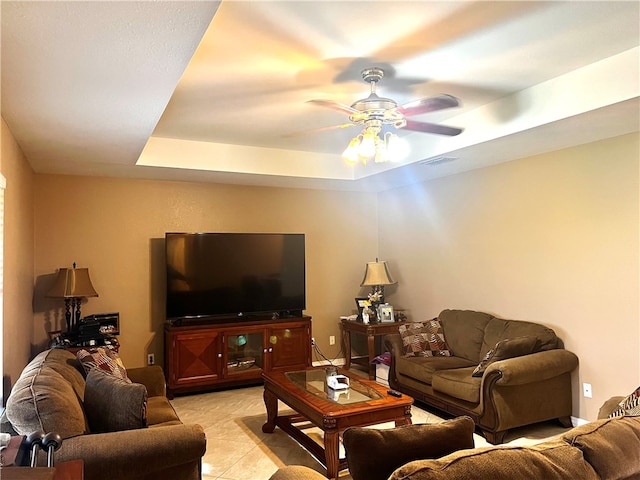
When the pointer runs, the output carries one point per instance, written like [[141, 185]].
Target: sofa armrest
[[532, 368], [151, 377], [393, 344], [134, 454], [297, 472]]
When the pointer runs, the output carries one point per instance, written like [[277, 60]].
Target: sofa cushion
[[548, 461], [507, 348], [105, 359], [457, 383], [113, 404], [43, 399], [424, 339], [611, 446], [464, 331], [374, 454], [161, 412], [499, 329], [423, 368], [630, 405]]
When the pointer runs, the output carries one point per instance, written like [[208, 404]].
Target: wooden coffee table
[[306, 392]]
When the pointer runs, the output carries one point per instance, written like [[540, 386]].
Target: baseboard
[[321, 363], [576, 422]]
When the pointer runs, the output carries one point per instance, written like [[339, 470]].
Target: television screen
[[234, 274]]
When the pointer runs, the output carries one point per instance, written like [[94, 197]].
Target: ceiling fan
[[374, 112]]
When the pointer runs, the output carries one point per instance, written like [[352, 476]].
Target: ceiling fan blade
[[334, 105], [321, 129], [431, 128], [430, 104]]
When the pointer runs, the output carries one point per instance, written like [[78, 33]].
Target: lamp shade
[[377, 273], [72, 283]]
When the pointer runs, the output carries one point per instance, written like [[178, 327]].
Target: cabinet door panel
[[244, 352], [196, 357], [289, 347]]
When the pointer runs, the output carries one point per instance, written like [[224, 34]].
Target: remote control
[[394, 393]]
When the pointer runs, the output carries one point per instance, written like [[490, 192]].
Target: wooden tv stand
[[233, 352]]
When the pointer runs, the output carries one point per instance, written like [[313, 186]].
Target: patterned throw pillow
[[424, 339], [508, 348], [629, 407], [105, 359]]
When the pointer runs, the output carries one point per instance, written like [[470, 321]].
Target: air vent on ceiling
[[438, 160]]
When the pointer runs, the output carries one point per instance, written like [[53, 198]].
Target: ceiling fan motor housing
[[374, 107]]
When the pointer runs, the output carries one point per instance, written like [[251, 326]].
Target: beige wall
[[116, 228], [552, 238], [18, 259]]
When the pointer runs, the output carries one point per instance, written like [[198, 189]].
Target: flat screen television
[[241, 275]]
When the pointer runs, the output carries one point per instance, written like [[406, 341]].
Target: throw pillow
[[508, 348], [629, 407], [424, 339], [105, 359], [112, 404], [374, 454]]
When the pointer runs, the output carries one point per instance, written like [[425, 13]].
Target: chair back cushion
[[611, 446], [374, 454], [48, 396], [498, 329], [548, 461], [464, 332]]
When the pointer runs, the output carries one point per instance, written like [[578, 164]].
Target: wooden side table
[[371, 330], [72, 470]]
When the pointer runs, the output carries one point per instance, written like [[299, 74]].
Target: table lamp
[[376, 276], [72, 284]]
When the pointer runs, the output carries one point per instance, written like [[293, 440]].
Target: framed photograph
[[361, 303], [385, 313]]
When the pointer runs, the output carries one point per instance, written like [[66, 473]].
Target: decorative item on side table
[[366, 310], [385, 313]]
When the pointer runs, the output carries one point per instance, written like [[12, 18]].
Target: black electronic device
[[241, 275], [88, 329], [109, 322]]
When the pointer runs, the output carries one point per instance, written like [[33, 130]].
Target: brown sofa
[[512, 392], [49, 396], [607, 449]]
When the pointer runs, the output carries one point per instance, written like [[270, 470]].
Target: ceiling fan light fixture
[[350, 154], [397, 148], [367, 147], [381, 152]]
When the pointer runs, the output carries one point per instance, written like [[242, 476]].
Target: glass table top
[[315, 382]]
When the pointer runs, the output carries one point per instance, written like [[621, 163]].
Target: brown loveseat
[[49, 396], [607, 449], [512, 392]]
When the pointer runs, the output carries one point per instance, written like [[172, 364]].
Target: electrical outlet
[[151, 359], [313, 341], [332, 340], [586, 390]]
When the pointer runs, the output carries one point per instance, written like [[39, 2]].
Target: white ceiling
[[217, 91]]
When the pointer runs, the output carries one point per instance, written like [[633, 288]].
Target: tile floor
[[237, 449]]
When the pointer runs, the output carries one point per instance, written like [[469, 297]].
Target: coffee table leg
[[332, 452], [271, 403], [406, 420]]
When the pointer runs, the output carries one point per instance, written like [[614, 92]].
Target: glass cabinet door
[[245, 352]]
